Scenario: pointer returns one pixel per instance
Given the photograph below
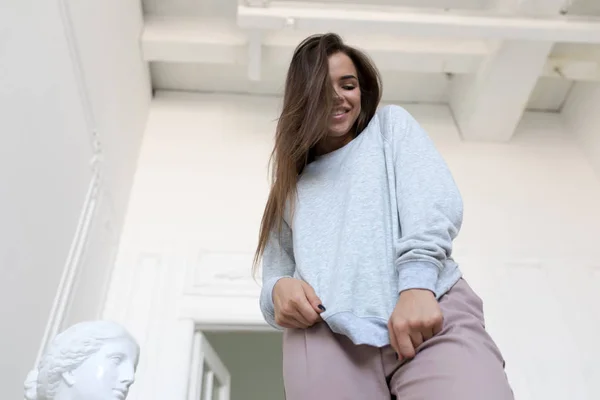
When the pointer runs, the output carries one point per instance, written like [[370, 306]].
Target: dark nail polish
[[397, 358], [321, 307]]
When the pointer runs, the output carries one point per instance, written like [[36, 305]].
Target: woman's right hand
[[296, 304]]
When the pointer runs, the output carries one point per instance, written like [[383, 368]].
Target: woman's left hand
[[416, 318]]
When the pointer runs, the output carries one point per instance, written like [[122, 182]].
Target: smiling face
[[107, 374], [347, 102]]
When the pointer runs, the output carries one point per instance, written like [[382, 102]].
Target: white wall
[[44, 177], [118, 83], [106, 35], [53, 120], [531, 220], [582, 118]]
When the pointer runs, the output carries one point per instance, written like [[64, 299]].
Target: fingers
[[313, 299], [401, 340], [288, 316], [303, 309], [405, 347], [299, 312], [416, 339], [406, 338], [438, 324], [426, 334], [299, 309], [291, 322], [393, 341], [296, 304], [297, 320], [307, 313], [416, 318]]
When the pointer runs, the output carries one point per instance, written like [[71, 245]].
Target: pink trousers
[[460, 363]]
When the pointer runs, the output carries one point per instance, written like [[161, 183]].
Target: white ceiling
[[198, 45], [228, 7]]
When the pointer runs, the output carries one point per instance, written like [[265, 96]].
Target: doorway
[[252, 363]]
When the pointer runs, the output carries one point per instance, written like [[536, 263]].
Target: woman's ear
[[68, 378]]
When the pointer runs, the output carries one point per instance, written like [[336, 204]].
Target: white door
[[210, 379]]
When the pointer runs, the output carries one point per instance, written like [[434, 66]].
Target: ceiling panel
[[549, 94], [585, 7], [228, 7], [191, 8], [441, 4]]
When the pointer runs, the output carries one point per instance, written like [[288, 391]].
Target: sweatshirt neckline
[[341, 150]]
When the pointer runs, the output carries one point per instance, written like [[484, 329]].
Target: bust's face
[[107, 374]]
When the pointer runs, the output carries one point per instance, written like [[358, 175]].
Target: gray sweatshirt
[[372, 219]]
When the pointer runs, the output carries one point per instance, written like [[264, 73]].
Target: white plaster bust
[[93, 360]]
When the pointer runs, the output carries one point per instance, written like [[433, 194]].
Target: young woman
[[356, 243]]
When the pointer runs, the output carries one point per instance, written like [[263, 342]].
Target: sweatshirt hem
[[373, 330], [370, 331]]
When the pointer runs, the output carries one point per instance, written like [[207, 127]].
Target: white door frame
[[202, 382], [165, 295]]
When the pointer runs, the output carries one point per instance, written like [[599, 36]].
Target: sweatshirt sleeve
[[278, 262], [430, 206]]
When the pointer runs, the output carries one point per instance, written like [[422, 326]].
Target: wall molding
[[79, 74], [214, 273], [72, 265], [88, 211]]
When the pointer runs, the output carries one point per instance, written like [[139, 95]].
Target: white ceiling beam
[[309, 17], [219, 42], [193, 40], [394, 53], [488, 105], [210, 41]]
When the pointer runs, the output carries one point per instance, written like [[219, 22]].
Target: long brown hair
[[307, 105]]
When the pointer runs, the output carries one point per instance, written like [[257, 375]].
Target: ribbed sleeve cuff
[[266, 301], [417, 275]]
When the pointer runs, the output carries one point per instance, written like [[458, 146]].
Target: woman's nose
[[336, 95]]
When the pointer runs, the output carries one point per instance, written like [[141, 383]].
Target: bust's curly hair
[[67, 352]]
